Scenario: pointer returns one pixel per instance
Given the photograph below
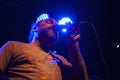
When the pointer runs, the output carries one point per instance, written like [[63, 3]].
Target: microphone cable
[[99, 46]]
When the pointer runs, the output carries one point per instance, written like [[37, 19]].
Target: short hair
[[34, 25]]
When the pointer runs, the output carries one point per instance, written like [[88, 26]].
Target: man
[[34, 61]]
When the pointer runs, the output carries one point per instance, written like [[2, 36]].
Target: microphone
[[60, 28]]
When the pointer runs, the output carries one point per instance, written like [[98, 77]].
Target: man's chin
[[53, 40]]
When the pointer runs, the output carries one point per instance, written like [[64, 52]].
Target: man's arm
[[79, 67], [5, 54]]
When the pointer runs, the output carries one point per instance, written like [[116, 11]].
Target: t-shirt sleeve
[[65, 66], [5, 55]]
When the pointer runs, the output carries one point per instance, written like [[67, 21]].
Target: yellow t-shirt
[[22, 61]]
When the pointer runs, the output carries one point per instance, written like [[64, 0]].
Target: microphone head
[[64, 28], [60, 28]]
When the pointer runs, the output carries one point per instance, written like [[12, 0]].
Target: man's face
[[46, 30]]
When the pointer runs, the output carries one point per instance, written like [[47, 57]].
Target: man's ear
[[35, 29]]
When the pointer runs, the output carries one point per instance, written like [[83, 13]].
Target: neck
[[42, 44]]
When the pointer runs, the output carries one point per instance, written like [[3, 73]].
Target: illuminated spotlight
[[64, 30], [118, 46], [54, 52], [42, 17], [63, 22]]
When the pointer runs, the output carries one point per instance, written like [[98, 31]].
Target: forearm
[[77, 60]]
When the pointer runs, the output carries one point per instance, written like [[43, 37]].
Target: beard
[[48, 35]]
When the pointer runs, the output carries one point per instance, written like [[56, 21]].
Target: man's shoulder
[[8, 43], [15, 42]]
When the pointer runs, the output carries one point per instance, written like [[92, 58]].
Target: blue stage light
[[42, 17], [64, 30], [63, 23]]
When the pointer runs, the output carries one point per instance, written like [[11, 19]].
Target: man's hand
[[73, 35]]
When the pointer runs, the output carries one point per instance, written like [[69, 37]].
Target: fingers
[[75, 33], [77, 37]]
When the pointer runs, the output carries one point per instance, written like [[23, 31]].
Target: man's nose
[[54, 23]]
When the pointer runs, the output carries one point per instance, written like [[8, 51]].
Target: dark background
[[98, 43]]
